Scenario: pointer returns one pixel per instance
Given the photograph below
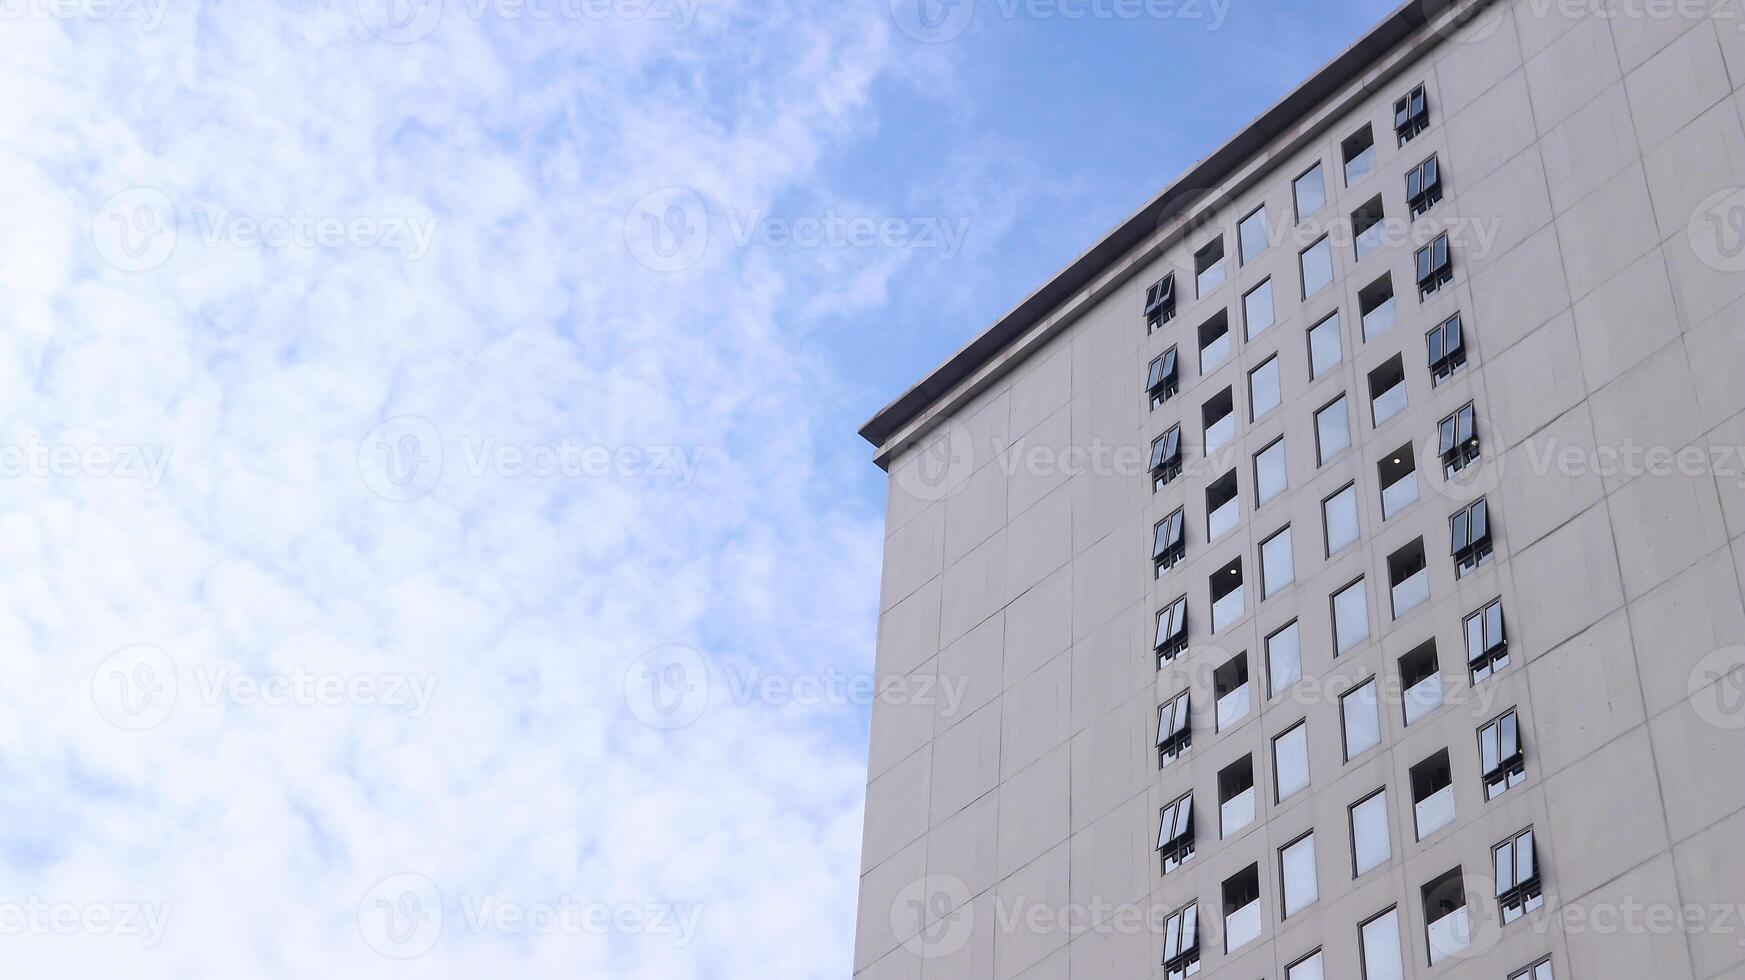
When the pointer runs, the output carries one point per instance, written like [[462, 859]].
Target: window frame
[[1493, 651], [1357, 869], [1172, 742]]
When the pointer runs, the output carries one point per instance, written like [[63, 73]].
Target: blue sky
[[435, 539]]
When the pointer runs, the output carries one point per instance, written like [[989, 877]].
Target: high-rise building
[[1335, 571]]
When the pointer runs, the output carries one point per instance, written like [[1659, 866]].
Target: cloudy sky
[[433, 539]]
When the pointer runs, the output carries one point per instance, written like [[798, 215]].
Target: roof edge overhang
[[1291, 123]]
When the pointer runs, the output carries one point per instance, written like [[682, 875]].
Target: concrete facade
[[1592, 170]]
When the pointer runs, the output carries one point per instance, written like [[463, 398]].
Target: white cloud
[[265, 554]]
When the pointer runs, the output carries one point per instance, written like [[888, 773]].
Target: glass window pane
[[1350, 617], [1263, 388], [1284, 659], [1332, 430], [1362, 721], [1370, 843], [1505, 867], [1340, 512], [1298, 862], [1307, 969], [1276, 567], [1253, 233], [1324, 351], [1311, 192], [1381, 948], [1524, 857], [1257, 309], [1269, 472], [1493, 624], [1474, 638], [1317, 267], [1290, 757]]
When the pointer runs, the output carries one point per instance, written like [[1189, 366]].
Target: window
[[1242, 908], [1218, 416], [1166, 457], [1226, 586], [1230, 686], [1358, 152], [1236, 796], [1362, 725], [1168, 542], [1350, 617], [1376, 304], [1369, 232], [1175, 834], [1270, 478], [1324, 349], [1432, 794], [1447, 349], [1487, 646], [1290, 762], [1538, 971], [1387, 390], [1257, 313], [1517, 867], [1423, 186], [1370, 844], [1297, 870], [1172, 630], [1411, 115], [1421, 681], [1408, 578], [1434, 265], [1277, 569], [1209, 266], [1446, 926], [1159, 303], [1253, 234], [1284, 659], [1222, 507], [1379, 940], [1316, 265], [1307, 968], [1399, 481], [1310, 191], [1500, 756], [1174, 734], [1214, 341], [1457, 440], [1263, 388], [1332, 430], [1339, 513], [1470, 537], [1162, 380], [1181, 943]]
